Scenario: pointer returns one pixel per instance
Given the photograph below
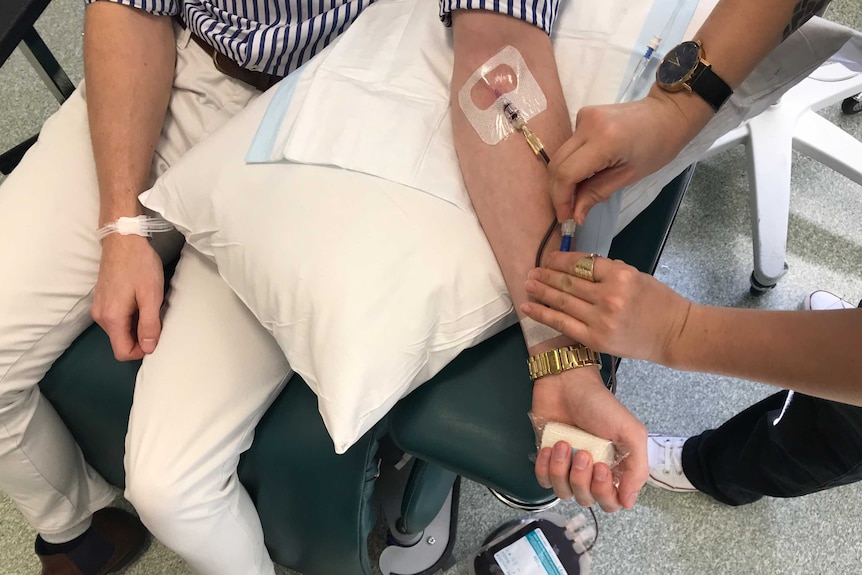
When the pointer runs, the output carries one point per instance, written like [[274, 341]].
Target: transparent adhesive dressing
[[503, 82]]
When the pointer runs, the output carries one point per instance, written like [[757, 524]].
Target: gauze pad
[[602, 450], [503, 79], [535, 332]]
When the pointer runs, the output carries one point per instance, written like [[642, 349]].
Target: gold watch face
[[678, 66]]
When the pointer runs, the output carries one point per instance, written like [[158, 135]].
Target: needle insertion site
[[519, 124]]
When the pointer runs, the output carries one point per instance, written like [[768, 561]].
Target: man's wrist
[[119, 240], [110, 214], [553, 393]]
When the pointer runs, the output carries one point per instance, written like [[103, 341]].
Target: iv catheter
[[518, 123]]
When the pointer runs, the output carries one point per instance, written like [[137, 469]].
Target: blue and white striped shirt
[[277, 36]]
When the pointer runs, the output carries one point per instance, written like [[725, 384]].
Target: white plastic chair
[[770, 138]]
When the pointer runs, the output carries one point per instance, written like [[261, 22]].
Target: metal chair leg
[[54, 77], [43, 61], [10, 159]]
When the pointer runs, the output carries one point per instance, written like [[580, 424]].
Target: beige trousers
[[197, 398]]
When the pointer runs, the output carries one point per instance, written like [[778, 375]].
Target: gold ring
[[584, 267]]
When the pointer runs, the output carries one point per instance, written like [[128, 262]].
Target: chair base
[[431, 550]]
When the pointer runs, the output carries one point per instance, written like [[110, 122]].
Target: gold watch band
[[558, 360]]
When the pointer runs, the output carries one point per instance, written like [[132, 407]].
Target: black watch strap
[[706, 84]]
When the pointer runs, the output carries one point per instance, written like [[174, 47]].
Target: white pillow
[[369, 287]]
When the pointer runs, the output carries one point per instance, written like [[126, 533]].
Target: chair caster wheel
[[757, 289], [852, 105]]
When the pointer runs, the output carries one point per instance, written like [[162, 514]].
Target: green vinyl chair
[[318, 508]]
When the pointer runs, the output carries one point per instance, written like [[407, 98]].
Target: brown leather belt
[[260, 80]]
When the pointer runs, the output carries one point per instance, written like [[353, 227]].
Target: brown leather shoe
[[116, 538]]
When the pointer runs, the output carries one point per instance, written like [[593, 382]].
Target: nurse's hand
[[625, 312], [578, 397], [616, 145]]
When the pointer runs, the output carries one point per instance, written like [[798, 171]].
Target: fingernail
[[560, 452], [631, 500], [148, 345], [531, 275], [600, 473], [580, 461]]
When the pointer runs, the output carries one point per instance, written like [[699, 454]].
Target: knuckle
[[552, 261], [558, 324], [561, 300], [614, 303], [627, 276], [108, 321], [557, 170], [558, 173], [590, 114], [611, 131], [606, 325]]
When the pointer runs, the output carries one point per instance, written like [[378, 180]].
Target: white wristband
[[144, 226]]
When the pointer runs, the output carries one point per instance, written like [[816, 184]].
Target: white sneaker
[[821, 300], [664, 455]]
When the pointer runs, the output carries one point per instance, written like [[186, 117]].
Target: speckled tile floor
[[708, 259]]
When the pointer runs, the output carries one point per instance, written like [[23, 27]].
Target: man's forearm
[[507, 181], [129, 60], [508, 187], [815, 352]]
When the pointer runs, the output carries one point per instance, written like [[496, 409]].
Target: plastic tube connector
[[532, 139], [569, 227], [652, 47]]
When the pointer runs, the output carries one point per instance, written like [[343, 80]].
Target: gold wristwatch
[[558, 360]]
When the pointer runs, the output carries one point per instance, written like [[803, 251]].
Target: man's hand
[[129, 57], [129, 294], [618, 144], [624, 312], [587, 404]]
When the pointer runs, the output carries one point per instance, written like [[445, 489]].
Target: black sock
[[89, 551], [45, 548]]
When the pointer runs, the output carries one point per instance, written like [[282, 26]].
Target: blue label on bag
[[530, 555]]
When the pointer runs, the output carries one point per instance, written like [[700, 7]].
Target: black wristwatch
[[684, 68]]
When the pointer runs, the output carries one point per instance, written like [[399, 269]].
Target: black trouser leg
[[815, 446]]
